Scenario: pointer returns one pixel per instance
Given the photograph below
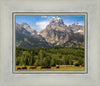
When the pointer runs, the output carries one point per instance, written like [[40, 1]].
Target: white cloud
[[43, 16], [53, 17], [41, 25], [49, 18]]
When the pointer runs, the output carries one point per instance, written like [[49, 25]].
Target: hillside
[[26, 41]]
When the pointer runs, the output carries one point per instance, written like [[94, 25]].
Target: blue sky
[[40, 22]]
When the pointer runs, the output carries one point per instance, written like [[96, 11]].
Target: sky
[[40, 22]]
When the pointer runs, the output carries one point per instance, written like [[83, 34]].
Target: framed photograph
[[57, 44], [49, 43]]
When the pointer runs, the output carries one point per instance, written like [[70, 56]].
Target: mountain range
[[56, 33]]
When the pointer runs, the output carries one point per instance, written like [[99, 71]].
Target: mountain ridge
[[56, 33]]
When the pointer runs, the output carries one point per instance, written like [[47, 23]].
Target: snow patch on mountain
[[80, 31]]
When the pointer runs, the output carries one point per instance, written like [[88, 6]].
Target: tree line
[[51, 56]]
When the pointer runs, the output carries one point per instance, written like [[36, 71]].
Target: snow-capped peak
[[38, 33], [80, 31], [57, 18]]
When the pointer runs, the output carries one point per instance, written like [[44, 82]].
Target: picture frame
[[6, 49], [14, 14]]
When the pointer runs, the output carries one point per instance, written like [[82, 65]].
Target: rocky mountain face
[[55, 36], [76, 28], [28, 38], [24, 28], [56, 33], [57, 24]]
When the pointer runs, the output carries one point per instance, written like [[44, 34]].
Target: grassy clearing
[[61, 68]]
